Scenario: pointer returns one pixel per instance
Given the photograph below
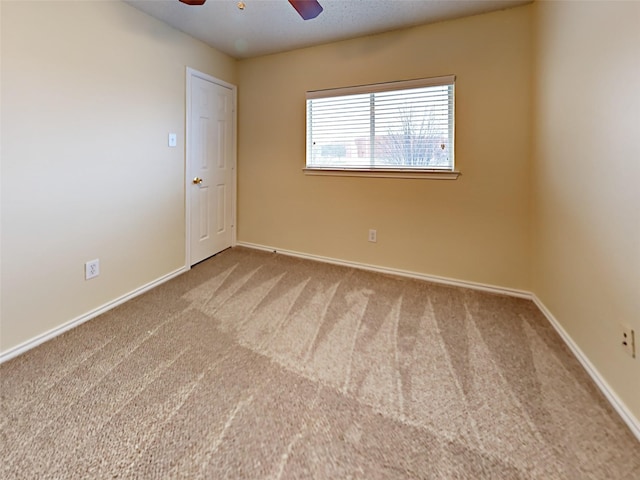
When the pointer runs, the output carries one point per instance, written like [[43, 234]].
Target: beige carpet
[[257, 365]]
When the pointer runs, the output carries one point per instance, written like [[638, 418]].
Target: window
[[399, 128]]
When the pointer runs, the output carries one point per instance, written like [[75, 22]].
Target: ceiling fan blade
[[193, 2], [307, 9]]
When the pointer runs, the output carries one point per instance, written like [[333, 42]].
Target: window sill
[[384, 173]]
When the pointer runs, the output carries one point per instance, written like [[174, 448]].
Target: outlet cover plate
[[91, 269], [628, 340]]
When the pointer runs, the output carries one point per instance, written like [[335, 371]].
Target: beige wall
[[586, 263], [90, 91], [475, 228]]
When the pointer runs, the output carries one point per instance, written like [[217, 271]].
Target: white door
[[210, 167]]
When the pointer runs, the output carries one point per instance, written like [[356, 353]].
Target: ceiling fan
[[307, 9]]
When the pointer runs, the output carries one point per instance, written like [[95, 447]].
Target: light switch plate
[[173, 139]]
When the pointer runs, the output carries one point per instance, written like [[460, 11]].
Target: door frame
[[191, 73]]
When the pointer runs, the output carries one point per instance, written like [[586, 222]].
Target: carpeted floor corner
[[262, 366]]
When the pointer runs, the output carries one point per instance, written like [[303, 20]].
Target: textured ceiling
[[270, 26]]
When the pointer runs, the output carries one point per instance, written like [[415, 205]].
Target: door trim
[[191, 73]]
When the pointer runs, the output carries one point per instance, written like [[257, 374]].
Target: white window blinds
[[399, 125]]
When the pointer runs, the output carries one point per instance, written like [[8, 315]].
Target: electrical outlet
[[628, 340], [91, 269], [373, 235]]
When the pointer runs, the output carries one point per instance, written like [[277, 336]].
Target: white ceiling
[[271, 26]]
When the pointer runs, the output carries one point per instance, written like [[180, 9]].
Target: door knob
[[197, 181]]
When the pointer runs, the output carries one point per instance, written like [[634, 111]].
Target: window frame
[[397, 172]]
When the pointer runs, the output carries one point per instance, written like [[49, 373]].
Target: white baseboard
[[34, 342], [619, 406], [395, 271]]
